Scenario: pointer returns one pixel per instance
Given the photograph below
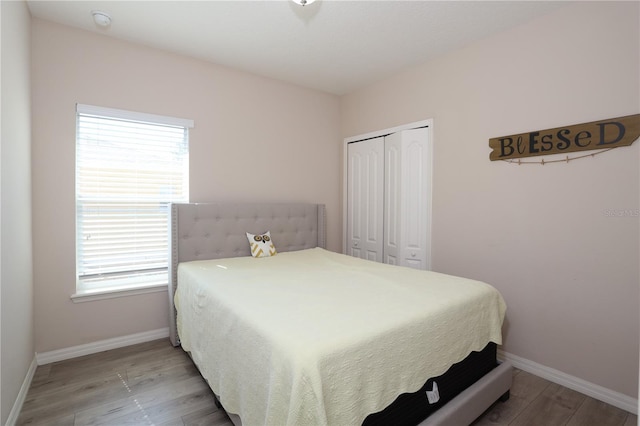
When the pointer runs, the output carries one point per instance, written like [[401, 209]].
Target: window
[[129, 166]]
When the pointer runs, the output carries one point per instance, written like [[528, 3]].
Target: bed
[[320, 345]]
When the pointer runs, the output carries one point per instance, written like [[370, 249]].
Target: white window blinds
[[129, 166]]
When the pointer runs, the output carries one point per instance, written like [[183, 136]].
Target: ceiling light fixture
[[101, 19], [303, 2]]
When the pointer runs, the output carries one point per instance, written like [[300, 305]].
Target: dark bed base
[[411, 408]]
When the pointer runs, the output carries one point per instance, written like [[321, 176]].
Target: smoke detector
[[101, 19]]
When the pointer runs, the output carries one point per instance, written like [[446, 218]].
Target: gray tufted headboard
[[216, 231]]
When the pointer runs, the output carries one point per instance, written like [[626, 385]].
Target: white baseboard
[[22, 394], [598, 392], [102, 345]]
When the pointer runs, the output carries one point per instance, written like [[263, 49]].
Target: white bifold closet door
[[365, 201], [388, 199], [406, 199]]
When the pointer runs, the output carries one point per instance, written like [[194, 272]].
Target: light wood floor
[[156, 384]]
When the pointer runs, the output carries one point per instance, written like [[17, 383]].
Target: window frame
[[97, 292]]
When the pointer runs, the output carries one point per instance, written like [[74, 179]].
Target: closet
[[388, 198]]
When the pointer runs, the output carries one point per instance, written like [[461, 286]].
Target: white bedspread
[[318, 338]]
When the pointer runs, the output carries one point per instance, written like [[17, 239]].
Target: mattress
[[315, 337]]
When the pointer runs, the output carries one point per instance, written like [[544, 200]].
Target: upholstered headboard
[[216, 231]]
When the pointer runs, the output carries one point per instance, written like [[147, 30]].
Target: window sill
[[92, 295]]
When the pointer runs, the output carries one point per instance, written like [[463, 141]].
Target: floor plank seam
[[529, 404]]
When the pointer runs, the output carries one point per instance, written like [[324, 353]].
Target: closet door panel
[[374, 199], [415, 196], [392, 198], [354, 208], [365, 198]]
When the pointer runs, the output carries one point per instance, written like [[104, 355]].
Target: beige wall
[[17, 346], [541, 234], [242, 122]]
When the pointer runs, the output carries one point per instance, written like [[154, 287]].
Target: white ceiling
[[335, 46]]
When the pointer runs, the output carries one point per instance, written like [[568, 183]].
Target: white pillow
[[261, 245]]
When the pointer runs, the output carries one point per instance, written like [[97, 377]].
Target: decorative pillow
[[261, 245]]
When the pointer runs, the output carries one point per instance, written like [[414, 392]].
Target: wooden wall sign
[[603, 134]]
